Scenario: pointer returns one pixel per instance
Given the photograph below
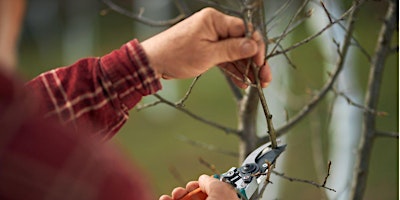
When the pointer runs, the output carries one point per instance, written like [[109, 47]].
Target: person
[[54, 127], [11, 15]]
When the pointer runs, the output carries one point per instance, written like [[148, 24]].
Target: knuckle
[[208, 11]]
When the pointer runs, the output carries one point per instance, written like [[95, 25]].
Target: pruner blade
[[247, 178], [264, 154]]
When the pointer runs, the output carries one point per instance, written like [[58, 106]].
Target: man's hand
[[214, 188], [206, 39]]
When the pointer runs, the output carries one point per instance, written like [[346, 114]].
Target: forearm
[[11, 17], [96, 93]]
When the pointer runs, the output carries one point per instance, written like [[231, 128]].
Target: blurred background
[[58, 33]]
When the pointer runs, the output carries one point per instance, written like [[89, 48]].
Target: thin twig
[[328, 174], [270, 167], [357, 105], [251, 12], [208, 147], [326, 11], [288, 59], [279, 11], [317, 147], [237, 92], [355, 40], [139, 17], [291, 179], [387, 134], [148, 105], [194, 116], [308, 39], [221, 7], [243, 79], [329, 84], [208, 165], [289, 24], [177, 176], [181, 102]]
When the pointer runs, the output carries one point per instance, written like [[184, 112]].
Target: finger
[[236, 73], [165, 197], [206, 183], [260, 56], [232, 49], [178, 193], [225, 25], [216, 189], [192, 185], [265, 75]]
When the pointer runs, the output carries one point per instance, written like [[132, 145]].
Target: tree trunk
[[371, 101], [247, 112]]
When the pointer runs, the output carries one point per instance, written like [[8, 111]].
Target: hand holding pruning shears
[[244, 180]]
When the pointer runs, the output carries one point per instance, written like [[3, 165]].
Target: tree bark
[[371, 101]]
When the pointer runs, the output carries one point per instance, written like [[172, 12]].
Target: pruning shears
[[247, 178]]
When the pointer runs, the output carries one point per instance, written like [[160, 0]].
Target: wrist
[[150, 50]]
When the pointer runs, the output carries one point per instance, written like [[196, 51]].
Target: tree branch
[[357, 105], [289, 24], [282, 175], [359, 181], [329, 84], [272, 54], [208, 147], [140, 18], [194, 116], [387, 134]]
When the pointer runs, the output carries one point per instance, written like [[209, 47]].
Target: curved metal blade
[[264, 154]]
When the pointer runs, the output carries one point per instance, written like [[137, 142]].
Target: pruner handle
[[196, 194]]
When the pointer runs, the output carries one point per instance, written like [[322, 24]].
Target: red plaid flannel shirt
[[52, 132]]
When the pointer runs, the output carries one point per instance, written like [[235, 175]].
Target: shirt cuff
[[130, 73]]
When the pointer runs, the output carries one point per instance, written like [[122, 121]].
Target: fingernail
[[248, 48]]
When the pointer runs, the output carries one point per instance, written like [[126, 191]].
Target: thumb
[[233, 49]]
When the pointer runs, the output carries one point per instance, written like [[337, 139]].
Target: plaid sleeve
[[97, 93], [39, 159]]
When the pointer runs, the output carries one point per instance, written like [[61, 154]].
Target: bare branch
[[288, 58], [394, 49], [282, 175], [243, 79], [208, 165], [180, 103], [326, 11], [267, 113], [317, 148], [142, 107], [140, 18], [182, 7], [267, 180], [194, 116], [237, 92], [221, 7], [177, 176], [301, 8], [272, 54], [387, 134], [183, 100], [382, 50], [329, 84], [328, 174], [357, 105], [279, 11], [208, 147], [251, 16]]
